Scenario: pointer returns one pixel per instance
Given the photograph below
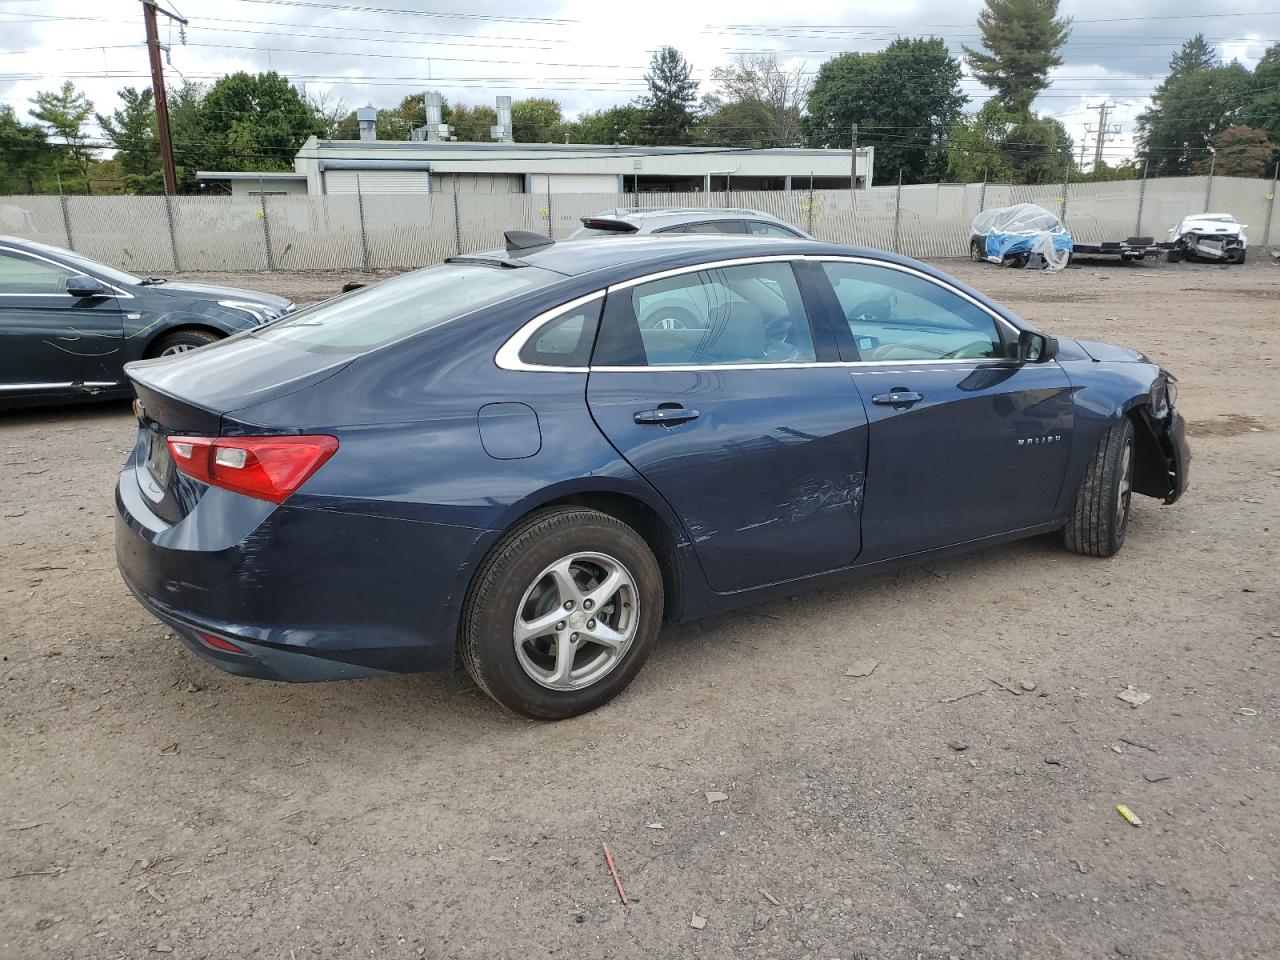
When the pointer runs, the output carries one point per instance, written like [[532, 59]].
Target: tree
[[903, 98], [624, 124], [1189, 108], [1010, 146], [537, 120], [672, 94], [26, 156], [1195, 54], [1263, 111], [66, 111], [255, 122], [1022, 39], [759, 102], [1241, 152], [331, 111], [132, 131], [472, 122]]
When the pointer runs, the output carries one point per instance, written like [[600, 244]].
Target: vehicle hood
[[1207, 225], [182, 288], [1109, 352]]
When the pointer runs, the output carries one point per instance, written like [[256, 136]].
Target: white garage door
[[377, 181]]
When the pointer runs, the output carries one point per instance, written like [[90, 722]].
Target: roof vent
[[367, 117]]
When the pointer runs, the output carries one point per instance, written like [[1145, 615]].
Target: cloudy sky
[[584, 53]]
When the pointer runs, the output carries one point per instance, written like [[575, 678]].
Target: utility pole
[[1104, 130], [149, 8], [853, 170]]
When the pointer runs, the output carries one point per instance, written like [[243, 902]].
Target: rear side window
[[716, 226], [408, 304], [762, 229], [753, 313], [566, 340]]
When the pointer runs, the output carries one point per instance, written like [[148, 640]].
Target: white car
[[1208, 236]]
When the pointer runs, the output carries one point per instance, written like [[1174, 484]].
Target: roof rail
[[618, 211]]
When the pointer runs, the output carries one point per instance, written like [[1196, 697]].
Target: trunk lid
[[193, 394]]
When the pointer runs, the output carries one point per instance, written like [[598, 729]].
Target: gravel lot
[[153, 804]]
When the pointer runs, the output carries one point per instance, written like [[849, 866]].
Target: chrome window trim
[[37, 386], [119, 294], [508, 355]]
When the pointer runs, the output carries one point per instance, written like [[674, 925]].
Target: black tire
[[503, 585], [180, 341], [1238, 256], [1018, 261], [977, 251], [1173, 256], [1100, 517]]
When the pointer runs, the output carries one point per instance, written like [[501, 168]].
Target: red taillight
[[218, 643], [269, 468]]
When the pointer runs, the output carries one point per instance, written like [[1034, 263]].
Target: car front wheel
[[182, 341], [977, 253], [562, 614], [1100, 517]]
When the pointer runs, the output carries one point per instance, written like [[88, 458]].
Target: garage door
[[377, 181]]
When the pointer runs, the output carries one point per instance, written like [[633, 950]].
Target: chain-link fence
[[381, 231]]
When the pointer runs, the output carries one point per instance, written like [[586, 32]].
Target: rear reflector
[[209, 640], [268, 468]]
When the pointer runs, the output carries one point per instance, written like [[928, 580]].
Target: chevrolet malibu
[[505, 461]]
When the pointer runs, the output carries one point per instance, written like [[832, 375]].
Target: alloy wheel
[[576, 621], [177, 348]]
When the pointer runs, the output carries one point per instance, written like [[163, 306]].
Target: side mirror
[[1036, 347], [87, 287]]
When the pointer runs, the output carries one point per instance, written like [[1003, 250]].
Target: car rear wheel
[[1100, 517], [562, 614], [182, 341]]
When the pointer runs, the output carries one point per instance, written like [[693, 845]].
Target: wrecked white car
[[1207, 236]]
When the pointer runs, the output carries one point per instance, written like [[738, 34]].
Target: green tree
[[1008, 146], [472, 122], [132, 131], [1194, 54], [26, 156], [537, 120], [758, 102], [1263, 110], [66, 111], [904, 99], [1199, 99], [1241, 152], [186, 133], [672, 94], [625, 124], [255, 122], [1022, 40]]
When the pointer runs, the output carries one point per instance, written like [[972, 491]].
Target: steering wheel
[[877, 310]]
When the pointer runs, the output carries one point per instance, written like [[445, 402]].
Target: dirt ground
[[152, 804]]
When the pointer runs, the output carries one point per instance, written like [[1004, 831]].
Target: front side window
[[19, 274], [894, 315], [752, 313]]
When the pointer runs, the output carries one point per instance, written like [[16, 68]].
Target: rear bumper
[[306, 594]]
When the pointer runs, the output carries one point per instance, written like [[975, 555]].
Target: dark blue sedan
[[526, 460], [68, 324]]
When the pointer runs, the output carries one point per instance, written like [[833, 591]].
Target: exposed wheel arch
[[1151, 468], [642, 518]]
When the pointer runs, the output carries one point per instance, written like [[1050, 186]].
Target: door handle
[[667, 414], [898, 397]]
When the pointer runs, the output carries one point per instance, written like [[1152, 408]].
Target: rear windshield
[[377, 315]]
